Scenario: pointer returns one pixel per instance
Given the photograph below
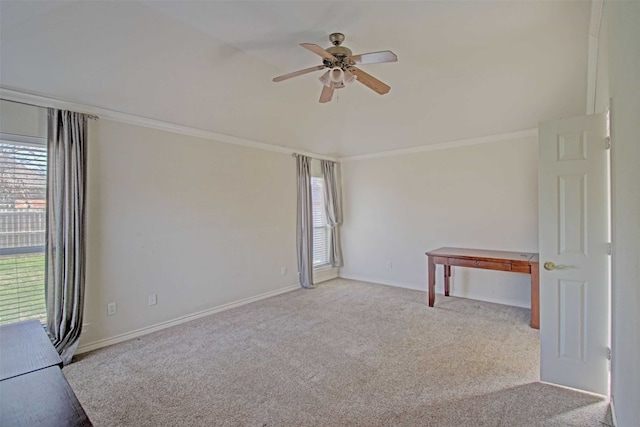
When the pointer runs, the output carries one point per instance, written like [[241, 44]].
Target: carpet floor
[[347, 353]]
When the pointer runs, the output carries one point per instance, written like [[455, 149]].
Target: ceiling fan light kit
[[342, 72], [337, 78]]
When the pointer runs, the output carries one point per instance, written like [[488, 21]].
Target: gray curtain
[[65, 244], [333, 211], [304, 229]]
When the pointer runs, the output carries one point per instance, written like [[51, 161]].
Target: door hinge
[[609, 249], [608, 353], [607, 142]]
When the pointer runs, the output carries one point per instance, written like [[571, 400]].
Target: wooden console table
[[515, 262]]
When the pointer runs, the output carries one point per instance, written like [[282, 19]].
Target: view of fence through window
[[23, 171]]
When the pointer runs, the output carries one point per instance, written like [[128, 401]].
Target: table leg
[[535, 295], [447, 275], [431, 277]]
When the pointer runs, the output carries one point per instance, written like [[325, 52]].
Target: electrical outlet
[[283, 271], [153, 299], [111, 309]]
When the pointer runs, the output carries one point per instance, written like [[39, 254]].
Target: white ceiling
[[466, 69]]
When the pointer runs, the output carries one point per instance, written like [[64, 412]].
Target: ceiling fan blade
[[318, 51], [326, 94], [298, 73], [374, 57], [370, 81]]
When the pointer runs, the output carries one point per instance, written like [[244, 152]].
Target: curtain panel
[[333, 210], [66, 224], [304, 224]]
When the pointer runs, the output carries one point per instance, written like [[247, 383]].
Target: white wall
[[619, 77], [21, 119], [481, 196], [198, 222], [202, 224]]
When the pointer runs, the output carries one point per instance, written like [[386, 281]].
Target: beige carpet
[[345, 354]]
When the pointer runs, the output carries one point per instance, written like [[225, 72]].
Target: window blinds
[[320, 228], [23, 184]]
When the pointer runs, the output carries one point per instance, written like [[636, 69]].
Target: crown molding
[[446, 145], [48, 102], [595, 23]]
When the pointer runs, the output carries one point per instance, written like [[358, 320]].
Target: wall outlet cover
[[111, 309]]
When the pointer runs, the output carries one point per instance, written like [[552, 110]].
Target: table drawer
[[490, 265], [521, 268]]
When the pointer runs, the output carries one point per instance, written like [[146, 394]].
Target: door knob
[[551, 266]]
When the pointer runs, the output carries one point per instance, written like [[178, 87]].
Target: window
[[23, 172], [320, 226]]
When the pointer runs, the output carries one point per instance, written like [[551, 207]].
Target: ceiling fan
[[341, 72]]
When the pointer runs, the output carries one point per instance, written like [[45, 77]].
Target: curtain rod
[[311, 157], [91, 116]]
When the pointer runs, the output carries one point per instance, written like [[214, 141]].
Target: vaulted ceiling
[[464, 70]]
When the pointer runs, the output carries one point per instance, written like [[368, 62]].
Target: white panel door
[[574, 261]]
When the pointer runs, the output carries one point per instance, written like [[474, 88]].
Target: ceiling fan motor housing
[[338, 51]]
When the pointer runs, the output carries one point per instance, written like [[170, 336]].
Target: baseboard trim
[[383, 282], [614, 420], [177, 321], [423, 287], [512, 303], [590, 393]]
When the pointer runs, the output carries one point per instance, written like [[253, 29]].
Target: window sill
[[324, 273]]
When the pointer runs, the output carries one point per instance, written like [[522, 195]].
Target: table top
[[25, 347], [483, 253], [42, 398]]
